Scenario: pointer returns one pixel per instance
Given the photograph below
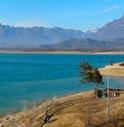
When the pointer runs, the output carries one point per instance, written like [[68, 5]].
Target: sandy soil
[[114, 70]]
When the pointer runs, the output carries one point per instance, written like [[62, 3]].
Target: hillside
[[78, 110], [79, 44], [112, 30]]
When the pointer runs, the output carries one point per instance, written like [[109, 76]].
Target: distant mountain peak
[[112, 30], [92, 31], [56, 27]]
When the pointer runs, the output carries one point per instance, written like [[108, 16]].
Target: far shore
[[18, 51]]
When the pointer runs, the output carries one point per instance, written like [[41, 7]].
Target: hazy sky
[[75, 14]]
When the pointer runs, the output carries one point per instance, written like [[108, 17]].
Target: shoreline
[[63, 111], [115, 70], [62, 52], [43, 105], [34, 104]]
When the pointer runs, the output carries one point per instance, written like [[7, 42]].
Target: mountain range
[[88, 43], [109, 36], [12, 37]]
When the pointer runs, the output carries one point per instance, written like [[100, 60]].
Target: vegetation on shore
[[79, 110]]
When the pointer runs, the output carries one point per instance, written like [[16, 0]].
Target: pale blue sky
[[75, 14]]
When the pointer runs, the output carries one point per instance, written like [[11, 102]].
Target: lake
[[26, 78]]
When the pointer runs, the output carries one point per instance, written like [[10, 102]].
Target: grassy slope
[[71, 111]]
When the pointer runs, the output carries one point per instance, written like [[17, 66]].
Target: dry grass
[[77, 110], [114, 70]]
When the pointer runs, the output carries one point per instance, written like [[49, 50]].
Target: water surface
[[28, 78]]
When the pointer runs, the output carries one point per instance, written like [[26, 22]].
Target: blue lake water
[[28, 78]]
